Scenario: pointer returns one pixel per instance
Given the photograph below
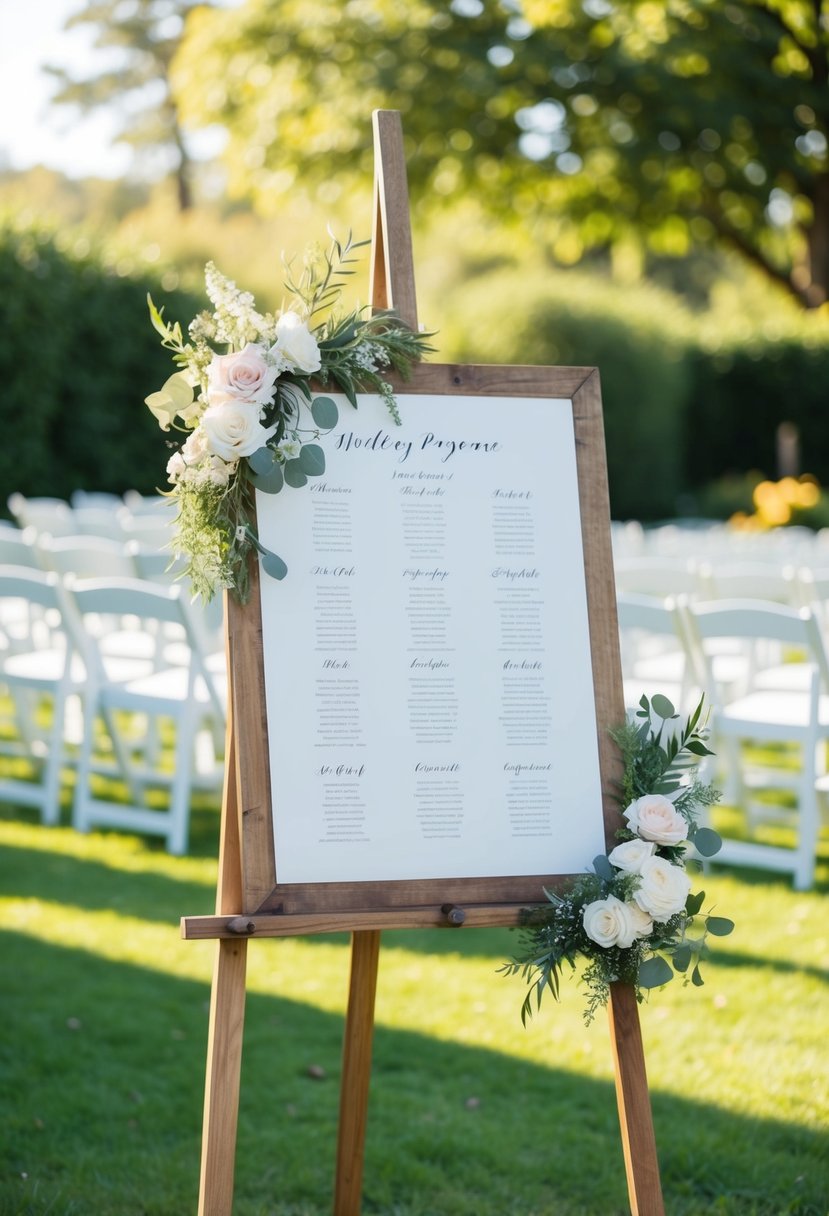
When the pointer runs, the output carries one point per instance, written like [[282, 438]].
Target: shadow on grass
[[103, 1067], [158, 898]]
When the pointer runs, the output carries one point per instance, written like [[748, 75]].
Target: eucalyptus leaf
[[312, 460], [654, 972], [603, 868], [325, 413], [720, 926], [271, 482], [682, 958], [262, 461], [696, 978], [706, 841], [694, 902], [294, 474], [274, 565], [662, 706]]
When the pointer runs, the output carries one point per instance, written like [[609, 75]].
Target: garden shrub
[[77, 358], [636, 340]]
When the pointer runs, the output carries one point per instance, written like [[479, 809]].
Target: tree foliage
[[678, 123], [144, 35]]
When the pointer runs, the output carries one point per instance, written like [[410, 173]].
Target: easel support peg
[[241, 926], [455, 916]]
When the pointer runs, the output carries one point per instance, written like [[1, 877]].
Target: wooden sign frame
[[251, 903]]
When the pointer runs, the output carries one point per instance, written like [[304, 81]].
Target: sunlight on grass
[[748, 1041]]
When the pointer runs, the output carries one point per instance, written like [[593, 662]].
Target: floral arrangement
[[633, 916], [243, 397]]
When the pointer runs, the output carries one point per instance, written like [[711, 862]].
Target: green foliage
[[74, 362], [634, 336], [135, 85], [212, 479], [606, 916], [743, 390], [600, 120]]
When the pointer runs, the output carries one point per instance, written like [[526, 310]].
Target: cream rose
[[246, 376], [663, 888], [296, 343], [610, 922], [630, 855], [655, 817], [232, 429]]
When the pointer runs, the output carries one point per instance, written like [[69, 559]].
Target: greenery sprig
[[243, 397], [632, 917]]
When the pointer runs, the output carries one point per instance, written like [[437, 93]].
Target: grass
[[104, 1038]]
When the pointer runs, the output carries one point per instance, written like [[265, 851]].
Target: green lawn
[[104, 1036]]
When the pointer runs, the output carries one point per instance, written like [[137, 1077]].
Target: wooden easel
[[392, 286]]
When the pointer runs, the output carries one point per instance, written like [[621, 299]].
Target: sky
[[31, 131]]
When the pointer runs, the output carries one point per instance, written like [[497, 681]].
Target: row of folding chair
[[765, 673], [146, 520], [720, 542], [86, 556], [114, 678], [799, 586]]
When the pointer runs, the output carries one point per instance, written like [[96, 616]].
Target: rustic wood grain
[[392, 283], [633, 1099], [356, 1075], [227, 1006]]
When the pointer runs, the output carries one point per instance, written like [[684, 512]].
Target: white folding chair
[[85, 556], [750, 581], [654, 653], [38, 677], [788, 704], [17, 547], [657, 576], [95, 498], [177, 693], [99, 521], [51, 515], [145, 504], [152, 530]]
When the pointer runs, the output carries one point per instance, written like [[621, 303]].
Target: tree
[[682, 122], [145, 35]]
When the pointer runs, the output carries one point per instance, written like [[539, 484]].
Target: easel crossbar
[[201, 928]]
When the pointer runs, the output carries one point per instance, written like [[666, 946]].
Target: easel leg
[[359, 1031], [638, 1140], [224, 1064]]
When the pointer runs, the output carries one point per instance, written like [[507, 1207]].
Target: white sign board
[[427, 659]]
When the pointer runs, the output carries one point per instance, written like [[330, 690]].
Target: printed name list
[[427, 657]]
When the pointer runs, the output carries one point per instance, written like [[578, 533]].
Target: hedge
[[77, 358], [634, 338], [687, 399]]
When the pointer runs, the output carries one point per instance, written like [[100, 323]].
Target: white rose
[[630, 855], [195, 447], [655, 817], [296, 343], [232, 429], [609, 922], [642, 921], [663, 888], [246, 375]]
